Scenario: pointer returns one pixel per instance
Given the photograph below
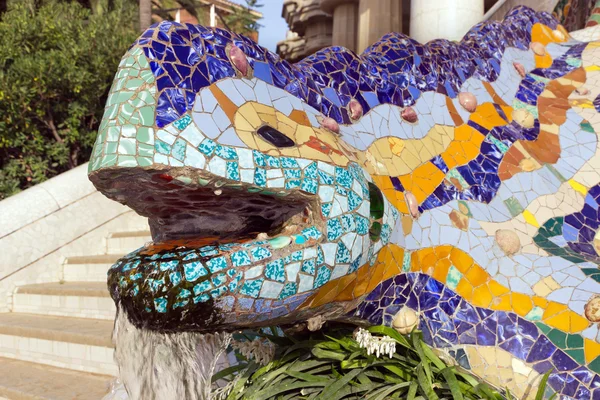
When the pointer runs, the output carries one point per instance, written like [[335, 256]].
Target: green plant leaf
[[450, 377], [347, 343], [412, 390], [391, 332], [327, 354], [263, 370], [509, 395], [236, 392], [228, 371], [385, 392], [402, 373], [330, 390], [485, 390], [424, 381], [432, 356], [336, 368], [364, 379], [468, 378], [270, 392], [351, 364], [309, 364], [539, 395]]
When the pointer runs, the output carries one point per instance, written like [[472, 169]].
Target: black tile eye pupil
[[275, 137]]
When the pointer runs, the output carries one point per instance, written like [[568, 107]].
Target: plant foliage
[[334, 366], [241, 19], [57, 62]]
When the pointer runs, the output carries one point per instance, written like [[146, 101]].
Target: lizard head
[[255, 198]]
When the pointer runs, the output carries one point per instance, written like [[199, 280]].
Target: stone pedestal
[[345, 21], [376, 18], [311, 27], [448, 19], [317, 35]]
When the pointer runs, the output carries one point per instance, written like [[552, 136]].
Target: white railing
[[64, 216]]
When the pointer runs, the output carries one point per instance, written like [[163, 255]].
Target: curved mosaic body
[[459, 180]]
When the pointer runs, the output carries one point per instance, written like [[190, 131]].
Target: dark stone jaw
[[184, 203]]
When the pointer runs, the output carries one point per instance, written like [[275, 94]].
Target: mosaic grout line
[[458, 180]]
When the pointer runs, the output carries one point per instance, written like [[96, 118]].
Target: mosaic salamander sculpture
[[452, 184]]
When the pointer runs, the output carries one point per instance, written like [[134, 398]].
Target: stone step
[[22, 380], [74, 343], [126, 242], [69, 299], [88, 268]]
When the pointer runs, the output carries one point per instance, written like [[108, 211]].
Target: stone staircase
[[56, 342]]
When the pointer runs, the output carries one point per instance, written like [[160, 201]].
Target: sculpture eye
[[275, 137], [377, 209], [376, 199]]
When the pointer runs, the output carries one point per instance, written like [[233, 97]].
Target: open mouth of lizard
[[184, 206], [207, 234], [229, 214]]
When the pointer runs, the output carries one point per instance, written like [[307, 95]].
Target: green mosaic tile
[[559, 338], [574, 341], [453, 173], [145, 150], [126, 109], [518, 104], [108, 160], [144, 161], [146, 97], [127, 161], [145, 135], [543, 327], [501, 146], [406, 261], [514, 207], [595, 365], [127, 146], [453, 277], [147, 76], [128, 131], [535, 314], [178, 150], [134, 84], [112, 134], [595, 17], [577, 355], [586, 126], [147, 116], [111, 148], [555, 173]]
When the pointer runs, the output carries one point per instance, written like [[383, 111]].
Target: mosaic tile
[[269, 201]]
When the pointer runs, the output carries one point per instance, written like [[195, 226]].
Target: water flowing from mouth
[[158, 366]]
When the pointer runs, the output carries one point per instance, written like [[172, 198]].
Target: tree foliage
[[57, 62], [241, 19]]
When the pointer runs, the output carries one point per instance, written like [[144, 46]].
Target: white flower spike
[[377, 345]]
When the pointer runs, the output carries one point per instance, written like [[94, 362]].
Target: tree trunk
[[145, 14]]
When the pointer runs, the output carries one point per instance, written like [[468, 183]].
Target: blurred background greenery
[[57, 62]]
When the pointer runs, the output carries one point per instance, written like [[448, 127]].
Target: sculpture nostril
[[238, 59], [329, 123]]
